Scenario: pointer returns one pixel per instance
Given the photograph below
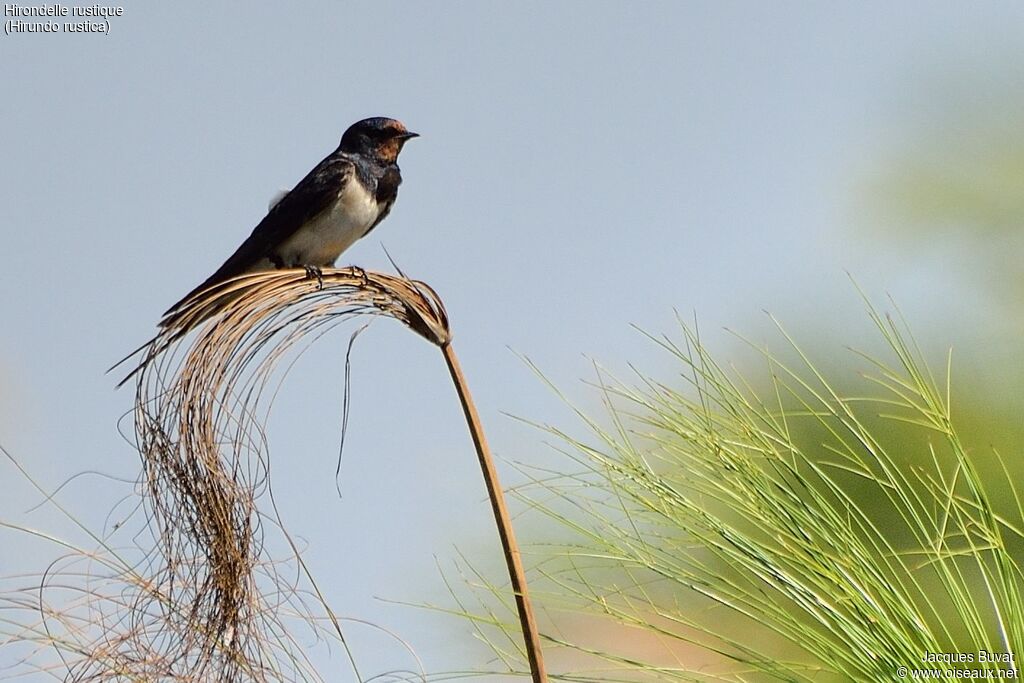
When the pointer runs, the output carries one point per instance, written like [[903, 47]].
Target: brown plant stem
[[501, 517]]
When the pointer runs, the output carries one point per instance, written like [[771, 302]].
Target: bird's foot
[[361, 274], [314, 272]]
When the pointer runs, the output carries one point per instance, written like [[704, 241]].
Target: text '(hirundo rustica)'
[[26, 13]]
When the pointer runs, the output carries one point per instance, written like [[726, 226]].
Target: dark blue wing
[[314, 193]]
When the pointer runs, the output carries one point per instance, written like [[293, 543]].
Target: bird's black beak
[[408, 135]]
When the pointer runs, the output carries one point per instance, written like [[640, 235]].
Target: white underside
[[321, 241]]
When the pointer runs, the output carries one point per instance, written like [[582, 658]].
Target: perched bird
[[341, 200]]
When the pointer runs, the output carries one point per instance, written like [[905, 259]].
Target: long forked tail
[[206, 300]]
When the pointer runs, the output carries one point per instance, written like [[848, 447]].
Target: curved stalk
[[501, 517]]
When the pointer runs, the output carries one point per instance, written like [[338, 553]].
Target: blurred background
[[583, 168]]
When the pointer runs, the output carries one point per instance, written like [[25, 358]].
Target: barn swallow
[[342, 199]]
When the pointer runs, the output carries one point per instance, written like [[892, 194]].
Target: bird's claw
[[314, 272], [360, 273]]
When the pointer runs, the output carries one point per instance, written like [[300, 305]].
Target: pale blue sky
[[583, 167]]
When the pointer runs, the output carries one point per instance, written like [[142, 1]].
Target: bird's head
[[380, 138]]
